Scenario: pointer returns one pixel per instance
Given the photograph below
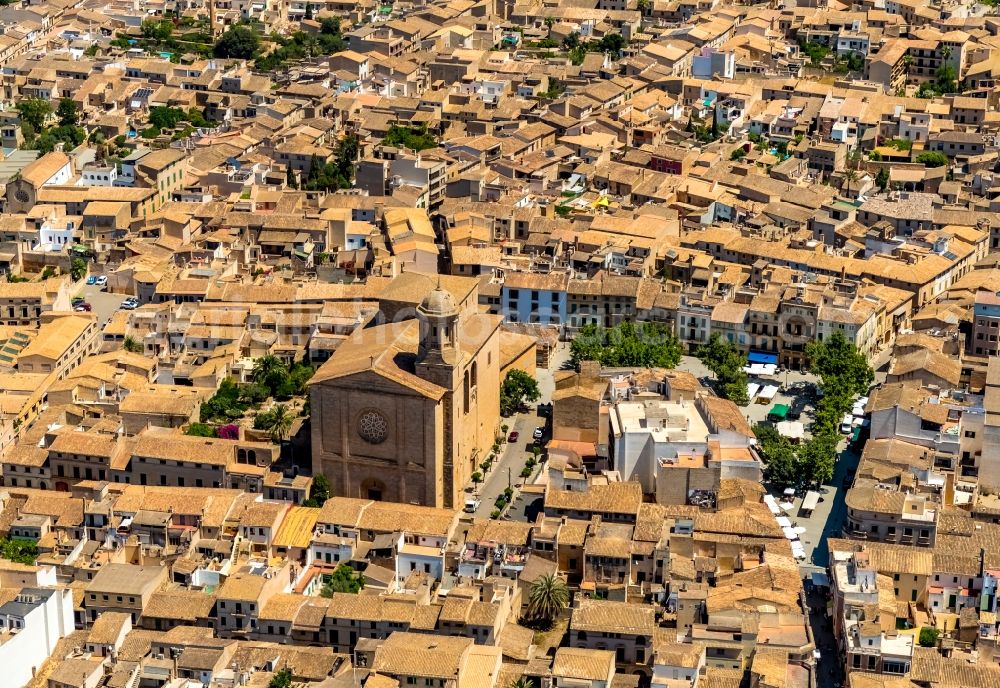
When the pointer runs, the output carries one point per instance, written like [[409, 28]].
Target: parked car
[[92, 279], [537, 434], [82, 307], [101, 281], [130, 304], [512, 437], [471, 506]]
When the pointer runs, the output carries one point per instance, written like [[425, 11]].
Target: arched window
[[465, 392], [475, 373], [252, 457], [241, 456]]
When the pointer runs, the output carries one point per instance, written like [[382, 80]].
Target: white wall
[[44, 626]]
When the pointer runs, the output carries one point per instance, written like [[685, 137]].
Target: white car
[[537, 434], [101, 281]]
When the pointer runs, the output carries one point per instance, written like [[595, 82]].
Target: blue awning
[[762, 357]]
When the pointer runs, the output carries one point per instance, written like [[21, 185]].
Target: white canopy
[[784, 521], [768, 392], [772, 504], [789, 492], [800, 529], [811, 500], [790, 534], [791, 429], [765, 369], [752, 389]]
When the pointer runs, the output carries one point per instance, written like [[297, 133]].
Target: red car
[[512, 437]]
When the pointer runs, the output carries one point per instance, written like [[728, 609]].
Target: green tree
[[576, 56], [644, 5], [882, 178], [34, 112], [290, 178], [282, 679], [270, 371], [77, 269], [850, 177], [837, 359], [726, 362], [476, 477], [651, 345], [279, 423], [157, 30], [238, 42], [200, 430], [780, 462], [319, 491], [816, 459], [546, 599], [163, 117], [523, 682], [132, 345], [67, 113], [344, 579], [928, 637], [414, 138], [330, 26], [611, 43], [517, 388], [19, 551], [932, 159]]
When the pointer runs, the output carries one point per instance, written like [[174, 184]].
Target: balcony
[[475, 555], [513, 560]]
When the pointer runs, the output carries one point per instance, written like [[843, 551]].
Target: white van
[[471, 506]]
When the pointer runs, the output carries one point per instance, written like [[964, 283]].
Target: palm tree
[[266, 367], [907, 63], [279, 423], [850, 176], [548, 596], [132, 345], [946, 53], [523, 682]]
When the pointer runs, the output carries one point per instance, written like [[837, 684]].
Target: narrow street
[[507, 471]]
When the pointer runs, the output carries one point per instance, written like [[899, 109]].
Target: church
[[406, 411]]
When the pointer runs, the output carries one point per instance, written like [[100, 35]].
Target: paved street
[[103, 303], [514, 455], [828, 517], [512, 459]]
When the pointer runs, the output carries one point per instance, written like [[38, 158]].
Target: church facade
[[406, 411]]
